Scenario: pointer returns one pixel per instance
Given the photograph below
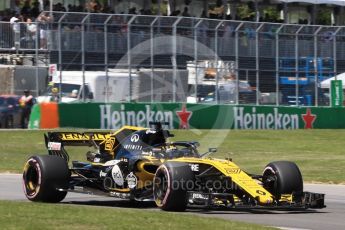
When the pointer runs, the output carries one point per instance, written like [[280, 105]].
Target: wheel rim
[[271, 186], [160, 187], [32, 178]]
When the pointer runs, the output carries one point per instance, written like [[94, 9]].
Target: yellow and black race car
[[137, 163]]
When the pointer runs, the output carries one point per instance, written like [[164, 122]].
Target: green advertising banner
[[35, 117], [199, 116], [269, 117], [115, 115], [336, 93]]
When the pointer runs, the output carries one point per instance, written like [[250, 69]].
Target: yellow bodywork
[[226, 167], [107, 140], [96, 136], [238, 176], [145, 178]]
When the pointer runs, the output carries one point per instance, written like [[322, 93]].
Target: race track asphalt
[[331, 218]]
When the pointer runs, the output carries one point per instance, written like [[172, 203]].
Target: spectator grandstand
[[280, 61], [325, 12]]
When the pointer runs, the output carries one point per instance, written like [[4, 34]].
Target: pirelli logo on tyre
[[233, 170]]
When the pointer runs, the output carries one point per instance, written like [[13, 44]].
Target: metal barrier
[[280, 64]]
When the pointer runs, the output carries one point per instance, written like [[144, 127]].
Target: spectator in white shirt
[[14, 21], [30, 36]]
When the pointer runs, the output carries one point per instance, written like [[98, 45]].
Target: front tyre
[[170, 185], [43, 176], [282, 177]]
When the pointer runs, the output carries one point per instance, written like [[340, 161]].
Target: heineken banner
[[190, 116], [115, 115], [337, 93]]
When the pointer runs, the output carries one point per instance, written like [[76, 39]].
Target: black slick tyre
[[170, 185], [282, 177], [42, 177]]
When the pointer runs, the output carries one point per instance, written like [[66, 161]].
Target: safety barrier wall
[[186, 116]]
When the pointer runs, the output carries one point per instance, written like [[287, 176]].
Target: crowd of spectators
[[22, 13], [31, 9], [21, 20]]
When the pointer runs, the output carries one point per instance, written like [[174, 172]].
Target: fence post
[[316, 72], [60, 53], [174, 50], [216, 60], [335, 51], [152, 53], [36, 58], [237, 60], [129, 56], [83, 52], [297, 65], [106, 60], [257, 64], [196, 56], [277, 63]]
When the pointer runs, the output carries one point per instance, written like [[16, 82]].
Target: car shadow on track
[[115, 203], [214, 211], [256, 211]]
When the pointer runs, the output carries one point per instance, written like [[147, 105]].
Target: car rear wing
[[77, 138], [55, 141], [105, 142]]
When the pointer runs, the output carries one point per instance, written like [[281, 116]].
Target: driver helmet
[[55, 90]]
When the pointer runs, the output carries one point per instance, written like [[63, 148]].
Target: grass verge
[[25, 215], [320, 154]]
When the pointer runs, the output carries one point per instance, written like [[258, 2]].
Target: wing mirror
[[212, 150]]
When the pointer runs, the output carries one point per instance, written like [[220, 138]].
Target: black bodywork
[[128, 161]]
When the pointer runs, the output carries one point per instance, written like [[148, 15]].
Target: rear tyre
[[170, 185], [282, 177], [43, 176]]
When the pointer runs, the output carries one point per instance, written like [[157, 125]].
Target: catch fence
[[180, 59]]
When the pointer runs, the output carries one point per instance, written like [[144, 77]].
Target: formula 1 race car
[[140, 164]]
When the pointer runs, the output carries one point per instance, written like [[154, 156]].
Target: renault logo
[[135, 138]]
